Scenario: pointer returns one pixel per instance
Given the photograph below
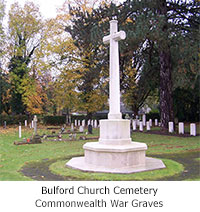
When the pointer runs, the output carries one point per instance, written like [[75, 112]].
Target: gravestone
[[150, 122], [127, 116], [171, 127], [144, 119], [25, 123], [20, 130], [79, 123], [148, 126], [134, 123], [95, 123], [156, 122], [72, 127], [36, 138], [83, 123], [193, 129], [89, 129], [32, 124], [81, 129], [181, 128], [75, 122], [92, 123], [114, 152], [4, 124], [141, 126], [35, 124]]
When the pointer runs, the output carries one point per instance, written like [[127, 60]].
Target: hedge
[[54, 120], [12, 119]]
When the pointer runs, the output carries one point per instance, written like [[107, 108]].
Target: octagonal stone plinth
[[115, 152], [116, 156]]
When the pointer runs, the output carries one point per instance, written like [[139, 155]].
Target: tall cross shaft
[[114, 83]]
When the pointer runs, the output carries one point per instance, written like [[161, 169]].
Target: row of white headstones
[[83, 123], [135, 124], [141, 124], [148, 125]]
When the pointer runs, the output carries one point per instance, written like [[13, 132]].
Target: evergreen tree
[[91, 93], [158, 28]]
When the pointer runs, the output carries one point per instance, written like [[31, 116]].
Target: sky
[[47, 7]]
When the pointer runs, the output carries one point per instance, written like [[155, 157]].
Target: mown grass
[[171, 169], [13, 158]]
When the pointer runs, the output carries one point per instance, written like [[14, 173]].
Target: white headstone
[[81, 129], [79, 123], [181, 128], [150, 122], [89, 122], [156, 122], [92, 123], [148, 126], [20, 131], [144, 119], [134, 123], [83, 123], [25, 123], [193, 129], [32, 124], [141, 126], [138, 122], [171, 127], [95, 123], [75, 122]]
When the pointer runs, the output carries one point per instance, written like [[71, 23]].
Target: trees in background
[[160, 31], [24, 37], [158, 59], [90, 85]]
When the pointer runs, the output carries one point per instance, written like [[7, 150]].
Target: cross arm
[[121, 35], [106, 39]]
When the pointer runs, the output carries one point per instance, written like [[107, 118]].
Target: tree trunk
[[166, 101]]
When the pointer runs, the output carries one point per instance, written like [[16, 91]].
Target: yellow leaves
[[34, 96], [95, 101]]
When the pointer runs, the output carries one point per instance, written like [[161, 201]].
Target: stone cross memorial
[[114, 84], [115, 152]]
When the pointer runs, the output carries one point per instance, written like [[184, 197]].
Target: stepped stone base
[[80, 164], [115, 152]]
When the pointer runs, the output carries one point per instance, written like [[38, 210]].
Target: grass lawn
[[13, 158]]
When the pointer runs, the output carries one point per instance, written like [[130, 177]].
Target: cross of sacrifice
[[114, 83]]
